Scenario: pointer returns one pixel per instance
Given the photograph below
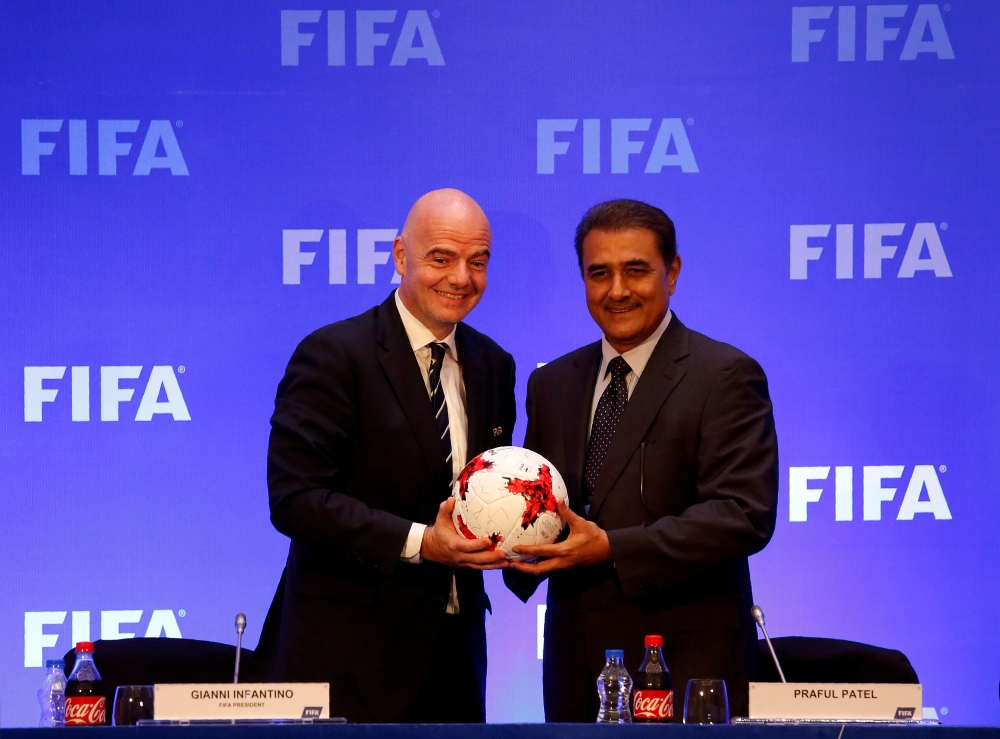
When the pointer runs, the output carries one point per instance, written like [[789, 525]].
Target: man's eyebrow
[[630, 263], [482, 253]]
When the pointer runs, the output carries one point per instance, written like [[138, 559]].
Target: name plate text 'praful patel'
[[200, 701], [835, 701]]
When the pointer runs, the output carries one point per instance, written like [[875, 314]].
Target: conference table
[[519, 731]]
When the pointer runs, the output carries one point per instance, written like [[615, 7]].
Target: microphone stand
[[241, 623], [758, 616]]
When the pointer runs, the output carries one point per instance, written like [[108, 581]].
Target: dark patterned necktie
[[609, 412], [438, 404]]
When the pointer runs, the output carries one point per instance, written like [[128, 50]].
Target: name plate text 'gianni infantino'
[[201, 701]]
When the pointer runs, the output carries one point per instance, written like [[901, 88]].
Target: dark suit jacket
[[353, 459], [680, 550]]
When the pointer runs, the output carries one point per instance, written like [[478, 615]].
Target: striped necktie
[[438, 404]]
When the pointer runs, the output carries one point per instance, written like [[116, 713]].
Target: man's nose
[[619, 287], [459, 275]]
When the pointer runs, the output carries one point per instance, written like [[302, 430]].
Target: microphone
[[241, 623], [758, 616]]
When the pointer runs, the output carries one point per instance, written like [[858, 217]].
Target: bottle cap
[[85, 646], [50, 663], [654, 640], [614, 654]]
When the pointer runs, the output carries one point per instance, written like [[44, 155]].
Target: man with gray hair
[[671, 465], [375, 417]]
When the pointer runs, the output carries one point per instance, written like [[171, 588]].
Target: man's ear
[[399, 255], [673, 273]]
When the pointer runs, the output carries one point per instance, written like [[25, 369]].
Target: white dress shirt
[[637, 359], [454, 397]]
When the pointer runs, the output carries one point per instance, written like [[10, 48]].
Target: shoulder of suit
[[344, 335], [715, 353], [566, 363]]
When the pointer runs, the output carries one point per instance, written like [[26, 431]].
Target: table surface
[[517, 731]]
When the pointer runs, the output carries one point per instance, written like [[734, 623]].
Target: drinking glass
[[133, 703], [706, 702]]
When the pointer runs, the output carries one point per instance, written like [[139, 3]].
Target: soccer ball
[[509, 494]]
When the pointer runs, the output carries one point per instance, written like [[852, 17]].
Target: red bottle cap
[[654, 640], [88, 646]]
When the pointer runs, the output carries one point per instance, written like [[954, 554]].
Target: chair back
[[807, 659], [148, 661]]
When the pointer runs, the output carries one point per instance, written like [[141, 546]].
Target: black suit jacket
[[354, 458], [710, 483]]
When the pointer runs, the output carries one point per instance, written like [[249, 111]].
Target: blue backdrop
[[190, 188]]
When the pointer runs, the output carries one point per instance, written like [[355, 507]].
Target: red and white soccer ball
[[509, 494]]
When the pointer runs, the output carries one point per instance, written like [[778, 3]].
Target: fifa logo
[[294, 257], [161, 381], [670, 147], [926, 35], [114, 625], [298, 29], [924, 250], [159, 150], [876, 492]]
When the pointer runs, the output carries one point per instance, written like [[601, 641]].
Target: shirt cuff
[[411, 549]]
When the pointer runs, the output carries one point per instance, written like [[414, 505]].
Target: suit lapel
[[474, 377], [662, 374], [579, 393], [401, 368]]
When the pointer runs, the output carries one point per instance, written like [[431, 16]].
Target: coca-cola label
[[85, 710], [656, 705]]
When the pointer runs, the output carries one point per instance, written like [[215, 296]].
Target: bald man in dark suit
[[375, 417]]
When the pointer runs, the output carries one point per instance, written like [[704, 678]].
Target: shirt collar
[[638, 357], [418, 334]]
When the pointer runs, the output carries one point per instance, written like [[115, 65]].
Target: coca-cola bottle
[[85, 702], [654, 687]]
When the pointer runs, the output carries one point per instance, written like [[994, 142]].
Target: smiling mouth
[[623, 309], [451, 296]]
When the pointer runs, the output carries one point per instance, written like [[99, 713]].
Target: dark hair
[[623, 214]]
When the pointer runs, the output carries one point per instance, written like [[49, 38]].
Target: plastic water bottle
[[52, 695], [614, 686]]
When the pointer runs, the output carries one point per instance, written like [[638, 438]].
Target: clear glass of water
[[133, 703], [706, 702]]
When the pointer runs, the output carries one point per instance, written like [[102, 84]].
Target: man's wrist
[[607, 553], [423, 537], [606, 544], [413, 547]]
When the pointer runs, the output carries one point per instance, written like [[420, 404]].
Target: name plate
[[850, 701], [201, 701]]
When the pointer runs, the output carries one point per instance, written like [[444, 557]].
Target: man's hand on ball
[[442, 544], [587, 544]]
